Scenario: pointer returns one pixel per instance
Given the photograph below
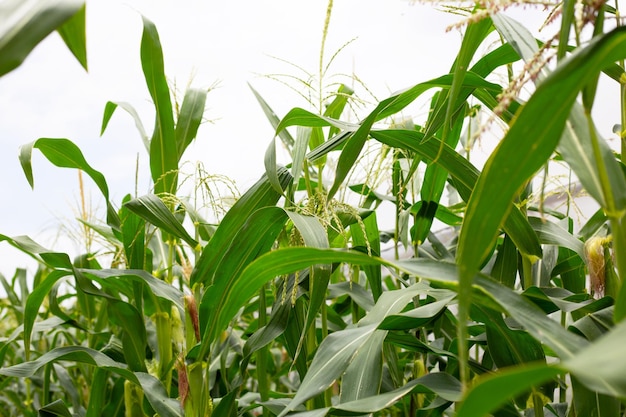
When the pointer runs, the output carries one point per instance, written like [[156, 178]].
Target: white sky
[[398, 44]]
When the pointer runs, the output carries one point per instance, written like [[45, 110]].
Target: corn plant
[[289, 307]]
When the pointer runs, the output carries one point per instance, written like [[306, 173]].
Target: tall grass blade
[[163, 148], [189, 119]]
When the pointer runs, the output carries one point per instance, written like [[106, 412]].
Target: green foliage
[[290, 305]]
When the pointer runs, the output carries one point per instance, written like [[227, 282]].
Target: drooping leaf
[[110, 108], [284, 135], [55, 408], [26, 23], [73, 34], [151, 208], [63, 153], [152, 387]]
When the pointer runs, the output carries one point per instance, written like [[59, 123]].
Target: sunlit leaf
[[151, 208], [26, 23], [164, 153], [64, 153]]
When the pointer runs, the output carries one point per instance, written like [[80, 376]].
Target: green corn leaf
[[552, 234], [303, 137], [73, 34], [133, 229], [110, 108], [600, 366], [55, 408], [31, 248], [26, 23], [122, 280], [441, 274], [277, 324], [34, 302], [134, 337], [163, 148], [586, 402], [442, 384], [354, 352], [517, 158], [152, 387], [448, 103], [63, 153], [220, 303], [152, 209], [465, 176], [353, 143], [363, 376], [189, 119], [505, 266], [494, 390], [336, 107], [313, 235], [301, 117], [271, 167], [261, 194], [576, 144], [421, 315], [366, 234], [507, 346], [284, 135], [97, 392], [332, 357]]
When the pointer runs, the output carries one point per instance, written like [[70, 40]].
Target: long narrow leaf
[[25, 23], [261, 194], [65, 154], [74, 36], [151, 208], [163, 150], [189, 119]]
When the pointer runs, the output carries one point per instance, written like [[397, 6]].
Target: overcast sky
[[395, 44]]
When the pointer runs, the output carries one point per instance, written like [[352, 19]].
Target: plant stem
[[261, 356], [164, 342], [527, 268], [537, 404], [465, 293]]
